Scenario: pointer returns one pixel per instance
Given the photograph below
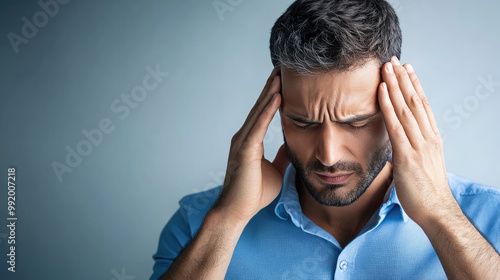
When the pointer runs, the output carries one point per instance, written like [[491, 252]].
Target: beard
[[331, 194]]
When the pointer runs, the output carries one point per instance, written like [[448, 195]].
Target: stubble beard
[[331, 194]]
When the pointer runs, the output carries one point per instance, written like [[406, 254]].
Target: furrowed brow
[[300, 120]]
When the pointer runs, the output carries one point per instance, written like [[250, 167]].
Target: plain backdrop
[[102, 220]]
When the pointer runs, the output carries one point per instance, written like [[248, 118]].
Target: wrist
[[223, 218], [439, 218]]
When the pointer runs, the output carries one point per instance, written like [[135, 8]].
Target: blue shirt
[[281, 243]]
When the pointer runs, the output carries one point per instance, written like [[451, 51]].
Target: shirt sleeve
[[482, 210], [174, 237]]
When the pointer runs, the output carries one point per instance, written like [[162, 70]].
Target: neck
[[344, 223]]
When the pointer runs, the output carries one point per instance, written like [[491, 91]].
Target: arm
[[209, 253], [420, 178], [462, 250], [251, 183]]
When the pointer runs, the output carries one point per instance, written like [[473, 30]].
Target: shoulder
[[195, 206], [462, 187], [182, 227], [200, 201], [480, 203]]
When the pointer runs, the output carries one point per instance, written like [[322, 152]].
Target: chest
[[287, 252]]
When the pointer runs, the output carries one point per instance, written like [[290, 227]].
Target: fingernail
[[409, 68], [395, 60], [388, 67]]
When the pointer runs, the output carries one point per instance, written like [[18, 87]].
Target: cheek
[[299, 142], [364, 143]]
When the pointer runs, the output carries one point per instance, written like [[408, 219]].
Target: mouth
[[334, 178]]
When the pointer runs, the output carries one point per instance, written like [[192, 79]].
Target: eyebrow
[[349, 120]]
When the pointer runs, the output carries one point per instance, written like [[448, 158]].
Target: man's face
[[334, 131]]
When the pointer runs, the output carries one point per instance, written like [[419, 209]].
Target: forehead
[[342, 94]]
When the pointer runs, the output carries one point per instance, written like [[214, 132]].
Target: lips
[[333, 178]]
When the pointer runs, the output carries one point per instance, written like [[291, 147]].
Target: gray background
[[103, 220]]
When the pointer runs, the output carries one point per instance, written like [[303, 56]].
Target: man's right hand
[[252, 182]]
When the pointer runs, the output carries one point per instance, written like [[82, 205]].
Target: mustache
[[339, 166], [347, 166]]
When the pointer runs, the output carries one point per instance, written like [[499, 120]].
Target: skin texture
[[406, 119]]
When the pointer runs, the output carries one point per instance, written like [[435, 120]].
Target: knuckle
[[401, 72], [415, 100], [406, 112], [394, 87], [425, 101], [398, 129], [434, 143], [253, 110], [414, 79], [437, 141], [235, 138]]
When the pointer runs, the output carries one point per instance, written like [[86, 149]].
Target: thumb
[[281, 161]]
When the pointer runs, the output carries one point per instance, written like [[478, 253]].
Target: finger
[[269, 81], [281, 161], [397, 135], [259, 107], [265, 90], [425, 102], [403, 112], [259, 129], [412, 99]]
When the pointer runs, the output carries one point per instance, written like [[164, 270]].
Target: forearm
[[209, 253], [463, 251]]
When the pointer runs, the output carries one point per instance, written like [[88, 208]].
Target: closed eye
[[301, 125], [357, 126]]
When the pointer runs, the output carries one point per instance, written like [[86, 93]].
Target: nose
[[329, 145]]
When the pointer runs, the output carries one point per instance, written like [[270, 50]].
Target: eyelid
[[359, 123], [367, 119], [301, 124], [359, 126]]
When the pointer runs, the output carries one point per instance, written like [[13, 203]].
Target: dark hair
[[317, 36]]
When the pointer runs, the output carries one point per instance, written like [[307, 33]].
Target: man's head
[[330, 54]]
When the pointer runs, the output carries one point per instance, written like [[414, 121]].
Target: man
[[367, 194]]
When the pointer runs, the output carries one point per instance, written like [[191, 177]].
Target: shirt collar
[[391, 200], [288, 205]]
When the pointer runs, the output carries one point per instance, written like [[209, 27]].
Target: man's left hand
[[417, 148]]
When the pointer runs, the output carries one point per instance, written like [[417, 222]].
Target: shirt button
[[343, 265]]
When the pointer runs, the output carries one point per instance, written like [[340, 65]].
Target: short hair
[[318, 36]]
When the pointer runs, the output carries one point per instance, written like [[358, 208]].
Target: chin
[[336, 194]]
